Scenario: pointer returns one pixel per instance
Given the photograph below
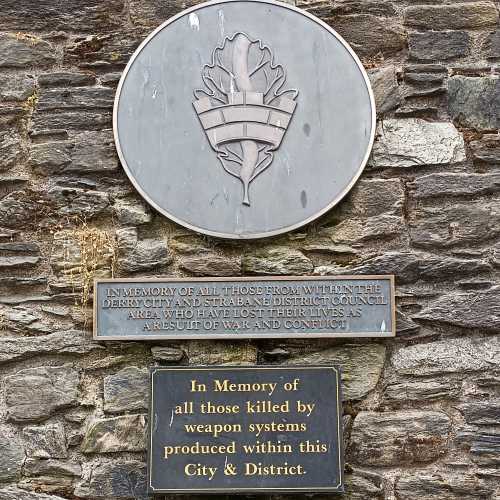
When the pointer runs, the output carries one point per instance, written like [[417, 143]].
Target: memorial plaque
[[245, 429], [228, 126], [332, 306]]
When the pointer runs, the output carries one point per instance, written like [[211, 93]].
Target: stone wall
[[421, 410]]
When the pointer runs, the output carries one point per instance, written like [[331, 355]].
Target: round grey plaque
[[244, 118]]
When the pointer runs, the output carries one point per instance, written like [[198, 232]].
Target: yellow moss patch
[[31, 101], [31, 39], [373, 61]]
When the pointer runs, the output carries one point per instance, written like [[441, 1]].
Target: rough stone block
[[452, 16], [62, 485], [438, 185], [485, 448], [20, 281], [478, 309], [131, 212], [438, 45], [111, 79], [31, 321], [126, 390], [363, 485], [114, 359], [418, 85], [397, 438], [51, 157], [211, 352], [460, 355], [361, 366], [474, 101], [276, 260], [491, 45], [16, 87], [385, 89], [485, 412], [14, 493], [357, 230], [368, 35], [11, 457], [20, 247], [65, 79], [15, 261], [111, 435], [422, 76], [371, 197], [405, 325], [60, 15], [87, 152], [140, 255], [45, 441], [25, 51], [441, 486], [486, 149], [10, 184], [93, 152], [207, 263], [151, 13], [118, 479], [455, 225], [413, 266], [12, 151], [416, 392], [50, 467], [71, 120], [167, 354], [345, 7], [80, 202], [413, 142], [18, 255], [11, 113], [495, 255], [75, 98], [324, 246], [21, 320], [104, 52], [37, 393]]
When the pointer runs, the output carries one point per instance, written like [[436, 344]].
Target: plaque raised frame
[[328, 426], [123, 321], [239, 164]]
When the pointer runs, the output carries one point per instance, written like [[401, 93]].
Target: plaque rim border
[[242, 336], [339, 488], [265, 234]]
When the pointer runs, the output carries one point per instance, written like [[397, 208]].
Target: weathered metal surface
[[245, 429], [228, 126], [342, 306]]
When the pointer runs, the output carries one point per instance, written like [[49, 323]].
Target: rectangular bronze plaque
[[333, 306], [245, 429]]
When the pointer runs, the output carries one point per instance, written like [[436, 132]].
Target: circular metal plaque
[[244, 118]]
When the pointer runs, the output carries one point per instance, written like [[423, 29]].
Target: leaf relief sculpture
[[244, 106]]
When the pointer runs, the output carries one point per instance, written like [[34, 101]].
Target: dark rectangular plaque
[[333, 306], [245, 429]]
